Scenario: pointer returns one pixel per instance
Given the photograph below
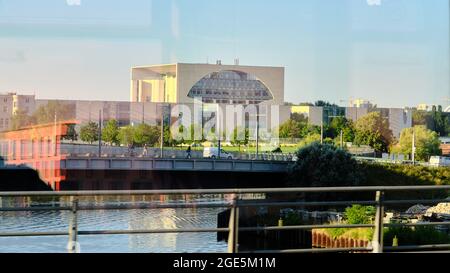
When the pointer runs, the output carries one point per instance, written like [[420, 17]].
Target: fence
[[235, 204], [88, 150]]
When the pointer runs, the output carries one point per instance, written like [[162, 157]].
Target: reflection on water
[[113, 220]]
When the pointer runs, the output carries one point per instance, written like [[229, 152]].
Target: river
[[113, 220]]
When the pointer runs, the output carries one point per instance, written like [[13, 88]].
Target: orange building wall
[[38, 147]]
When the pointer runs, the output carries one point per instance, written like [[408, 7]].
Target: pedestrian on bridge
[[188, 152]]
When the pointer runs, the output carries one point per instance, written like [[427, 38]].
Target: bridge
[[67, 166], [168, 164]]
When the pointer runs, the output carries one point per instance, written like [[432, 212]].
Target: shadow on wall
[[20, 178]]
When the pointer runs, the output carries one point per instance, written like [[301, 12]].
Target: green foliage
[[144, 134], [339, 124], [291, 129], [126, 135], [196, 134], [435, 120], [89, 132], [323, 165], [373, 130], [426, 141], [110, 132], [336, 232], [404, 175], [358, 214], [168, 139], [322, 103], [299, 117], [292, 219], [310, 139], [415, 236], [240, 137], [296, 128]]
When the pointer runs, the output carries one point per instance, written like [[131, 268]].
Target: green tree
[[168, 138], [310, 139], [358, 214], [435, 120], [89, 132], [110, 132], [320, 165], [427, 143], [343, 124], [321, 103], [146, 134], [290, 129], [126, 135], [373, 130], [196, 134], [421, 118], [240, 136], [440, 121], [299, 117]]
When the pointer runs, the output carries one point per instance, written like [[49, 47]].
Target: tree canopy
[[427, 143], [89, 132], [320, 165], [373, 130], [110, 132]]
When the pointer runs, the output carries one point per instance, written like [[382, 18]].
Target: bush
[[415, 236], [358, 214], [323, 165]]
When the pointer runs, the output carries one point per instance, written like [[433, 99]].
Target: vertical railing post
[[377, 242], [73, 227], [234, 227]]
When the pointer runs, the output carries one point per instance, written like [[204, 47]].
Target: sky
[[394, 53]]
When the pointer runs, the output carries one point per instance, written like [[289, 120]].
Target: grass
[[350, 233]]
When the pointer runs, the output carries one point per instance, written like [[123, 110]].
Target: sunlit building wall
[[12, 104], [214, 83]]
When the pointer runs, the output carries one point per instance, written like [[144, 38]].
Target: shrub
[[358, 214], [321, 165], [415, 236]]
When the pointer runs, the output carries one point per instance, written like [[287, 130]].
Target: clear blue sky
[[395, 52]]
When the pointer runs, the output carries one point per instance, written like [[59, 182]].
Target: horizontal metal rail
[[234, 204], [302, 227], [120, 207], [226, 191], [421, 247], [318, 250]]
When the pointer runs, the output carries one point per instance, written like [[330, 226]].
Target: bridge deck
[[133, 163]]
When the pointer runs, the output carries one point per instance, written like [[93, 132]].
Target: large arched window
[[233, 87]]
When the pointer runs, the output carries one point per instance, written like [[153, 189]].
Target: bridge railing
[[234, 204]]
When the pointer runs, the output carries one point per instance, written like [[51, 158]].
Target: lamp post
[[162, 131], [218, 128], [257, 131], [413, 150], [100, 133]]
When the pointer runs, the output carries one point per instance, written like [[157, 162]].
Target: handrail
[[223, 191], [233, 229]]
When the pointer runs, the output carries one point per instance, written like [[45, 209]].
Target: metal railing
[[234, 205]]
